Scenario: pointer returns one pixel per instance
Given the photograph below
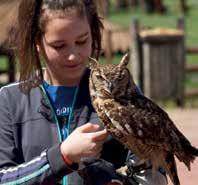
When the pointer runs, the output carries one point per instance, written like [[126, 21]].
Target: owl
[[136, 121]]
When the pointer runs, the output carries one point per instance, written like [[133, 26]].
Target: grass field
[[3, 63]]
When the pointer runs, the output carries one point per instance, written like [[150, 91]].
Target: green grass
[[115, 60], [3, 63]]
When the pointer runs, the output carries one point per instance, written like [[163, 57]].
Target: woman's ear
[[38, 44]]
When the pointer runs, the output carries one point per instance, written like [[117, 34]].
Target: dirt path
[[187, 121]]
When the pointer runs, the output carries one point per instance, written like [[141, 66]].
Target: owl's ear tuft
[[93, 63], [125, 60]]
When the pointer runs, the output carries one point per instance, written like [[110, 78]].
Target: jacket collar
[[83, 98]]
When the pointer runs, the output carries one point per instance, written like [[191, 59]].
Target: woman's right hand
[[84, 141]]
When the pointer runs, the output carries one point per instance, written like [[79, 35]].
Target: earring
[[38, 48]]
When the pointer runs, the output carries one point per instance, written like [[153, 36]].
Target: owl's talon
[[122, 170]]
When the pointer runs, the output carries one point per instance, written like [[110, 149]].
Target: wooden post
[[183, 6], [108, 49], [136, 65], [133, 3], [103, 6], [182, 65], [163, 64], [158, 61], [158, 6], [142, 4], [122, 4], [181, 23]]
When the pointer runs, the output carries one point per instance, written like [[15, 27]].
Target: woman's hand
[[85, 141]]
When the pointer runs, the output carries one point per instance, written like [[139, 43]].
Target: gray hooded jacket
[[30, 149]]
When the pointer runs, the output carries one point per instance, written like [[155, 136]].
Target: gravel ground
[[187, 121]]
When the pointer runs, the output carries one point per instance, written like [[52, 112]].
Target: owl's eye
[[99, 77], [120, 77]]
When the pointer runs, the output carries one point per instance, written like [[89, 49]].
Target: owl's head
[[111, 81]]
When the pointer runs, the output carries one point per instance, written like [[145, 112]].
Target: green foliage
[[3, 63]]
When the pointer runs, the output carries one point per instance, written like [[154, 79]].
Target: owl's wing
[[143, 120]]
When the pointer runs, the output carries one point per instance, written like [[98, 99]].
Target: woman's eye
[[58, 46], [81, 42]]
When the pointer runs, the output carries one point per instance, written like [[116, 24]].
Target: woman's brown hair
[[30, 24]]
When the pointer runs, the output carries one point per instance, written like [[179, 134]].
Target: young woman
[[50, 133]]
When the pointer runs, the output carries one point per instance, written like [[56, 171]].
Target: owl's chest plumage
[[124, 126]]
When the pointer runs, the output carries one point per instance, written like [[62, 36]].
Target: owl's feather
[[136, 121]]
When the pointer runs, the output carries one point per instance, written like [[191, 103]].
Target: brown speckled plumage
[[137, 122]]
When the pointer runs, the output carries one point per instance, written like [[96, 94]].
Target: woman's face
[[66, 45]]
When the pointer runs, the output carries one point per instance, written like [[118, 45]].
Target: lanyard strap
[[55, 119], [68, 124]]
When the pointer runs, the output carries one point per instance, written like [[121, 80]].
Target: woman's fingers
[[85, 141], [99, 135], [92, 131], [89, 127]]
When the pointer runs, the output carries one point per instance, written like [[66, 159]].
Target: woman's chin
[[73, 77]]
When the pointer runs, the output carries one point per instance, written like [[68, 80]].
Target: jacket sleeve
[[47, 168]]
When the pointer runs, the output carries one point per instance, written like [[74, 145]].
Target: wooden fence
[[192, 68], [110, 49], [155, 5]]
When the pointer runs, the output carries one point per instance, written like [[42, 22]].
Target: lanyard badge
[[62, 135]]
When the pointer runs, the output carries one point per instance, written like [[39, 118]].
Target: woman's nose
[[73, 57], [72, 54]]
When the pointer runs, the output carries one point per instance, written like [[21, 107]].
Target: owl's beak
[[110, 86]]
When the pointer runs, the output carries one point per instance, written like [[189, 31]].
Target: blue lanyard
[[55, 119], [67, 126]]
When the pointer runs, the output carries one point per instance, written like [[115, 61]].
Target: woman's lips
[[73, 66]]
